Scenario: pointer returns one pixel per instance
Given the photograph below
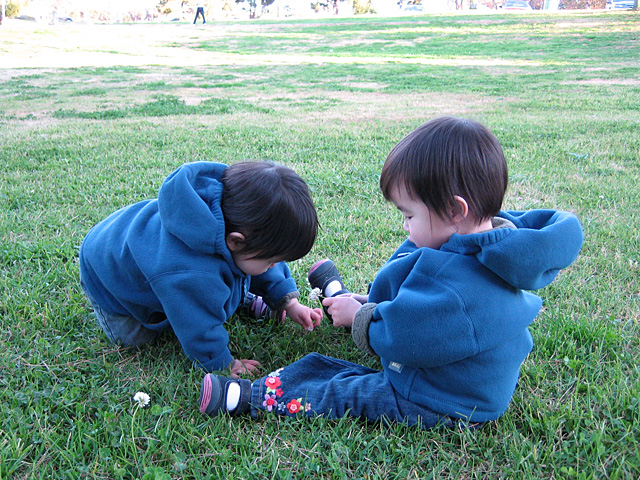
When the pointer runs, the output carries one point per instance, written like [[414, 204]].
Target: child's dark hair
[[445, 157], [271, 206]]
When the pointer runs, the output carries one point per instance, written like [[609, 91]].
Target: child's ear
[[460, 209], [235, 241]]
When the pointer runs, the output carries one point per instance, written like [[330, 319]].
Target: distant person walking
[[199, 11]]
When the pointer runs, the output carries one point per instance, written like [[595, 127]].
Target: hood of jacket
[[530, 255], [189, 206]]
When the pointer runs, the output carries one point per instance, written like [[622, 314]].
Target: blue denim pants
[[121, 329], [320, 385]]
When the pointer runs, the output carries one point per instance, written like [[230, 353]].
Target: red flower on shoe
[[294, 406]]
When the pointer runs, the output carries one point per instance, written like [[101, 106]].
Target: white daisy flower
[[315, 294], [142, 398]]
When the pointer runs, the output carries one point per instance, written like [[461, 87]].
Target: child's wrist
[[287, 300]]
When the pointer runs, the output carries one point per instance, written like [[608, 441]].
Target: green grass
[[329, 97]]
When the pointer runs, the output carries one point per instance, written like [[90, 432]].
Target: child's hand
[[360, 298], [243, 366], [308, 318], [342, 309]]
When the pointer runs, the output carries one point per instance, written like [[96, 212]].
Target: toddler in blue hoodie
[[216, 237], [447, 315]]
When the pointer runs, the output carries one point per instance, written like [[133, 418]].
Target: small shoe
[[213, 396], [257, 308], [323, 273]]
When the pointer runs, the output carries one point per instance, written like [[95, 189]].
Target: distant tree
[[175, 7], [163, 8], [12, 8], [362, 6]]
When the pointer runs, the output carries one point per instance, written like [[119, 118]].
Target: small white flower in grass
[[315, 294], [142, 398]]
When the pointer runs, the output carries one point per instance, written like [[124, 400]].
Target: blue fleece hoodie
[[450, 325], [165, 262]]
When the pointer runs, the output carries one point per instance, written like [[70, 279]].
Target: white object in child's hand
[[315, 294]]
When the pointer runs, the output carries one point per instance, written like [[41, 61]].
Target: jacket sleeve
[[276, 286], [360, 327], [195, 308]]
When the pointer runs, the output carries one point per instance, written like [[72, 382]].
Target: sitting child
[[448, 313], [215, 238]]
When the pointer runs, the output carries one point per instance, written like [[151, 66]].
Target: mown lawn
[[94, 117]]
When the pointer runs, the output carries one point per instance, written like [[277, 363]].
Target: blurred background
[[130, 11]]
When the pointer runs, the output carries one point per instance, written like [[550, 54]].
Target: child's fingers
[[316, 316], [251, 363], [306, 322], [308, 318], [250, 366]]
